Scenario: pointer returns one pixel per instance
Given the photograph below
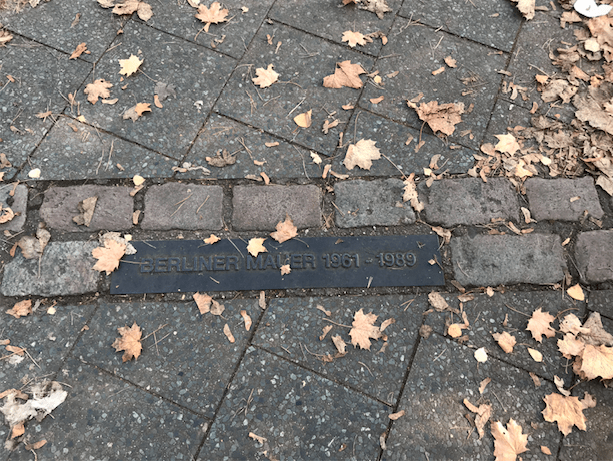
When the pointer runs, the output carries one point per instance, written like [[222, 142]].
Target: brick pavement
[[192, 394]]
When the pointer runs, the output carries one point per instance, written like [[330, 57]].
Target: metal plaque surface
[[316, 262]]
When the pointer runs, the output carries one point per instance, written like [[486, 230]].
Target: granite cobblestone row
[[263, 207], [563, 199], [594, 255], [488, 260]]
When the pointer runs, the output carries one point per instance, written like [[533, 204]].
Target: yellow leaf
[[108, 256], [130, 65], [364, 329], [576, 292], [265, 77], [129, 342], [361, 154], [285, 230], [303, 120], [509, 442], [256, 246]]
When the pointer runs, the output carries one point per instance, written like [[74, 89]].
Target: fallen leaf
[[217, 308], [35, 173], [484, 384], [451, 62], [15, 350], [570, 346], [285, 230], [437, 301], [572, 324], [445, 234], [285, 269], [443, 117], [597, 335], [509, 442], [213, 15], [545, 450], [257, 438], [576, 292], [379, 7], [324, 331], [35, 446], [228, 333], [386, 324], [137, 111], [377, 100], [265, 77], [559, 382], [303, 120], [108, 256], [340, 344], [506, 341], [395, 416], [203, 301], [222, 158], [98, 89], [363, 329], [525, 7], [86, 208], [536, 355], [345, 74], [361, 154], [164, 91], [566, 411], [271, 144], [5, 37], [481, 355], [507, 144], [129, 342], [256, 246], [440, 70], [130, 65], [6, 214], [483, 412], [246, 319], [597, 362], [21, 309], [410, 193], [355, 38], [79, 50], [539, 325], [33, 247]]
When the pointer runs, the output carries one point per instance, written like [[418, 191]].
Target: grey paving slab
[[487, 314], [291, 325], [281, 161], [304, 60], [601, 301], [596, 443], [18, 203], [36, 89], [74, 150], [493, 23], [300, 414], [435, 427], [263, 207], [64, 269], [197, 73], [391, 139], [371, 203], [183, 206], [594, 255], [563, 199], [113, 210], [47, 337], [231, 37], [505, 117], [507, 259], [469, 201], [105, 418], [191, 366], [474, 61], [51, 23], [324, 18]]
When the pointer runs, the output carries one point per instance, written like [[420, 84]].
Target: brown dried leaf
[[570, 346], [33, 247], [410, 193], [285, 230], [6, 214], [506, 341], [86, 208], [228, 333], [364, 329], [526, 7], [355, 38], [265, 77], [21, 309], [285, 269], [361, 154], [35, 446], [203, 301], [79, 50], [576, 292], [217, 308], [256, 246], [98, 89], [483, 412], [566, 411], [246, 319], [340, 344], [304, 120], [130, 65], [213, 15], [438, 302], [451, 62], [484, 384], [597, 335], [395, 416], [345, 74], [445, 234], [211, 239], [222, 158], [507, 144], [129, 342], [137, 111], [536, 355], [324, 331], [539, 325], [443, 117], [597, 362], [108, 256], [508, 442]]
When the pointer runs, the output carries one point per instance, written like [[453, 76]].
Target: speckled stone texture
[[416, 77], [197, 73], [65, 269], [491, 22], [290, 325], [489, 260], [594, 255], [231, 37], [18, 203], [435, 427], [113, 210], [371, 203], [323, 18], [74, 150], [563, 199], [166, 207], [391, 139], [51, 23], [47, 337], [282, 161], [486, 316], [105, 418], [300, 414], [469, 201], [601, 301], [191, 366], [40, 90], [303, 60], [263, 207]]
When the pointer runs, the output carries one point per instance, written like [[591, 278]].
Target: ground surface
[[194, 395]]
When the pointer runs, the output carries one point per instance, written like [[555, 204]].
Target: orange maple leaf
[[509, 442], [345, 74], [265, 77], [566, 411], [256, 246], [285, 230], [364, 329], [129, 342], [538, 325], [213, 15], [108, 256]]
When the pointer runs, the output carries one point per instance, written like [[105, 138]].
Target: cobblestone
[[594, 255], [18, 204]]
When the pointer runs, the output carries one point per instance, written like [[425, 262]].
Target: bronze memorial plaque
[[315, 262]]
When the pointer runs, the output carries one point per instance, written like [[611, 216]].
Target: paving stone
[[105, 418], [596, 443], [282, 161], [301, 415], [48, 339], [601, 301], [197, 73], [51, 23], [489, 260], [194, 363], [506, 116], [594, 255], [113, 210], [371, 203], [415, 77], [491, 22], [273, 109], [556, 199], [18, 203], [36, 89], [323, 18], [291, 325], [469, 201], [486, 316], [166, 207], [391, 139], [66, 154], [65, 269], [263, 207], [434, 425]]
